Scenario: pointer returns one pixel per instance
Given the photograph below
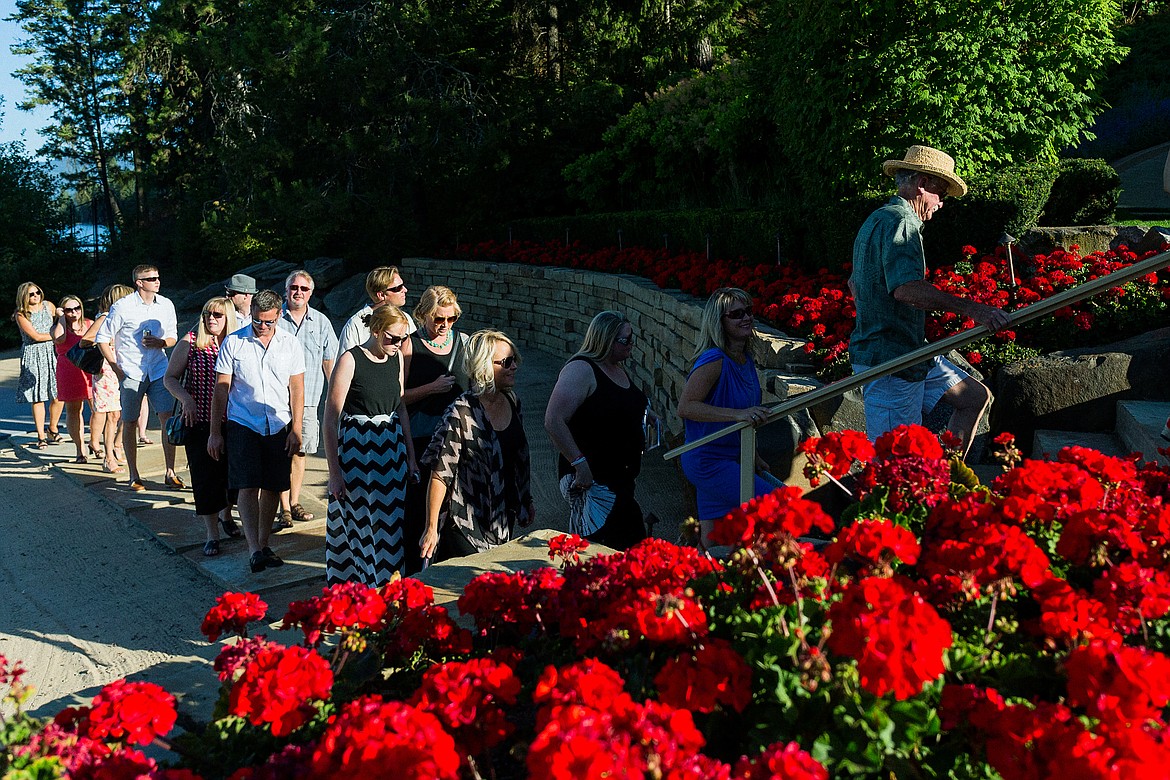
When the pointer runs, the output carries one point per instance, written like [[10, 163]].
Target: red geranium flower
[[131, 711], [232, 613], [875, 543], [278, 687], [701, 680], [780, 761], [897, 638], [466, 697]]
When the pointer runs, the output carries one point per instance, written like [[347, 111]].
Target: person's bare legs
[[38, 412], [268, 501], [296, 479], [73, 423], [55, 408], [168, 448], [97, 428], [970, 399], [248, 505], [143, 419]]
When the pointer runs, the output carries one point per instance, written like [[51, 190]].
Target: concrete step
[[1140, 425], [1047, 444]]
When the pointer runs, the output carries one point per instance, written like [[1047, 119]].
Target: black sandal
[[54, 437], [229, 527], [211, 548]]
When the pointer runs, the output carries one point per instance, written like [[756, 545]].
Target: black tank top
[[426, 367], [608, 429], [375, 388]]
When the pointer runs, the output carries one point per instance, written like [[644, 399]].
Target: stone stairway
[[1138, 429]]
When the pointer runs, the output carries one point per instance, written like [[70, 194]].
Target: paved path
[[106, 583], [1142, 180]]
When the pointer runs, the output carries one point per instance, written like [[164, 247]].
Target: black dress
[[608, 429], [425, 416]]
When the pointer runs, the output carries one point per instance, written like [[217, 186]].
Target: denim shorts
[[890, 401], [133, 391]]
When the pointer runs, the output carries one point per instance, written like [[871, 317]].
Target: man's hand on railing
[[989, 317]]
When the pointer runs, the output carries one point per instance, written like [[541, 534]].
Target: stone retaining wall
[[550, 308]]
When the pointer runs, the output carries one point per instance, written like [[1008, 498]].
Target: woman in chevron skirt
[[370, 454]]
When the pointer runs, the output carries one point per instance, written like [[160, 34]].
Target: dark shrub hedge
[[1085, 193]]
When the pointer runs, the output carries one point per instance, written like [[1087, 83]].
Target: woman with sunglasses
[[435, 377], [191, 378], [723, 387], [370, 455], [38, 363], [480, 469], [594, 419], [74, 386]]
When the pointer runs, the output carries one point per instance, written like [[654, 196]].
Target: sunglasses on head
[[737, 314], [507, 362]]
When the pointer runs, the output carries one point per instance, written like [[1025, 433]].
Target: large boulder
[[1078, 389], [345, 298], [327, 272], [269, 275]]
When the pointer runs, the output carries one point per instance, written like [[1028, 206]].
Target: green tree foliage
[[849, 84], [31, 247]]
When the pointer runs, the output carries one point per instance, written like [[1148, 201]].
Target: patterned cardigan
[[465, 453]]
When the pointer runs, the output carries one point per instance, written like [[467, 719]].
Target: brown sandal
[[300, 514]]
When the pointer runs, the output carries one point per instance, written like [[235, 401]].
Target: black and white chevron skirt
[[364, 531]]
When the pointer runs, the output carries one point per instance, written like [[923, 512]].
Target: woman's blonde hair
[[385, 315], [599, 336], [80, 303], [22, 296], [477, 360], [711, 328], [112, 294], [231, 324], [434, 298]]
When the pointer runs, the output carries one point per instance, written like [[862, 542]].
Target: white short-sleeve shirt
[[128, 321], [259, 396]]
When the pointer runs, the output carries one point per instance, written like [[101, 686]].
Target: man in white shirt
[[132, 339], [260, 383], [315, 333], [239, 290], [383, 285]]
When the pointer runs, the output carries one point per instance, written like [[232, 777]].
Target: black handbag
[[88, 359], [177, 430]]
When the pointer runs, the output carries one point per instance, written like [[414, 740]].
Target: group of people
[[422, 426]]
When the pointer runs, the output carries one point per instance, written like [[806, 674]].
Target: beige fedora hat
[[932, 161]]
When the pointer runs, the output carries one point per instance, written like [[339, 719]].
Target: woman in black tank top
[[594, 418], [436, 377]]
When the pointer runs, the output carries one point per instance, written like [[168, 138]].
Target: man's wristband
[[577, 462]]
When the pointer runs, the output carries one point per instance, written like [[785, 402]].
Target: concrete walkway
[[107, 583], [1142, 183]]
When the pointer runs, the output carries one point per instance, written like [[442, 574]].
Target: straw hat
[[932, 161]]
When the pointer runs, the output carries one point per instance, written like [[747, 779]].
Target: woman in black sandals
[[594, 418], [74, 386], [480, 487], [370, 454], [435, 377], [38, 363], [190, 378]]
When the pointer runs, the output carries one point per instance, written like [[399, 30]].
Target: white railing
[[747, 436]]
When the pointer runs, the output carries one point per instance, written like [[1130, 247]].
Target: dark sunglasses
[[737, 314], [72, 308], [507, 362], [627, 341], [395, 341], [148, 278], [299, 288], [447, 320], [259, 323], [35, 292], [396, 288]]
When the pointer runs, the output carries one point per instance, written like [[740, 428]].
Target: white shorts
[[890, 401]]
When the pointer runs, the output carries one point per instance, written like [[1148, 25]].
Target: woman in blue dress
[[723, 387]]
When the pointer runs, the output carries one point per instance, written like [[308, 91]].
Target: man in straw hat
[[892, 297]]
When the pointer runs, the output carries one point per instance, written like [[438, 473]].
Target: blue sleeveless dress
[[714, 468]]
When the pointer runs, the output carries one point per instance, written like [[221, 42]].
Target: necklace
[[435, 345]]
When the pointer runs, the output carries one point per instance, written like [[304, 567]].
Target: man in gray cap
[[892, 295], [239, 290]]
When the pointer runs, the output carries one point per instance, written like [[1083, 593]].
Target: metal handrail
[[926, 352]]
